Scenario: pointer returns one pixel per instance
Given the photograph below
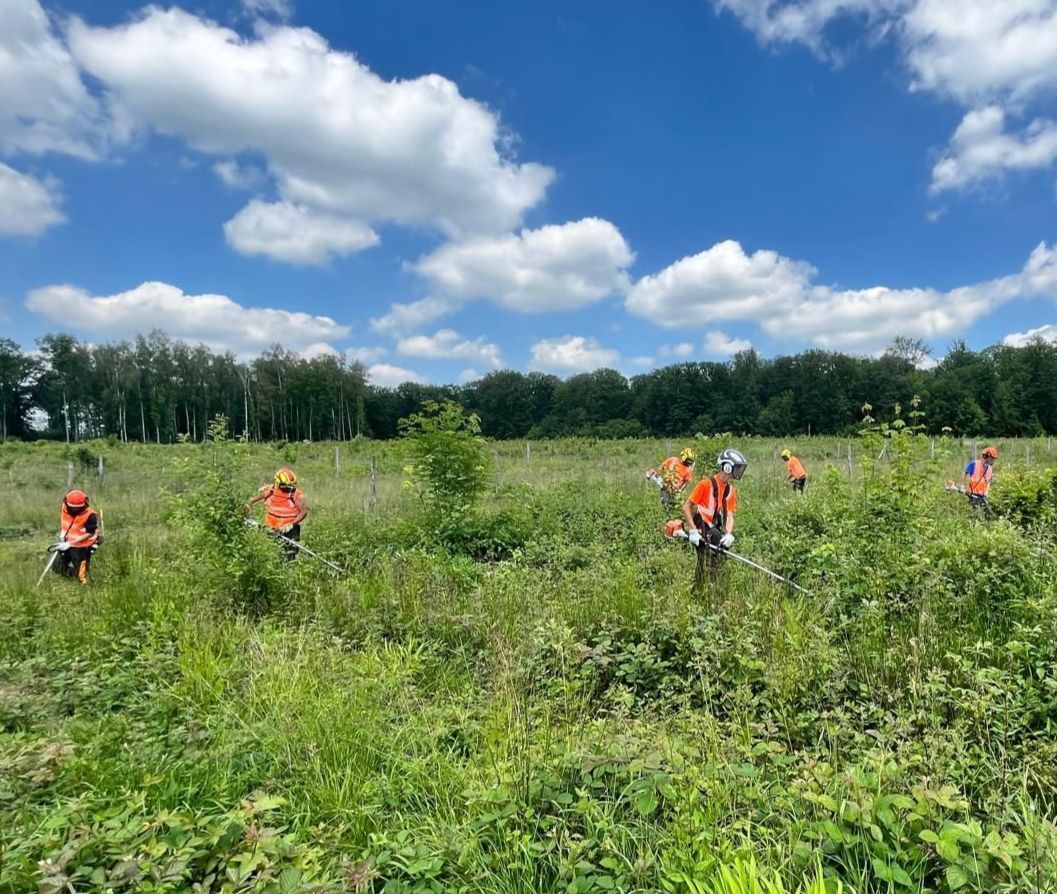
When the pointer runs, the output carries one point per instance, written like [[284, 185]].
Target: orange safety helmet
[[990, 453], [76, 502], [285, 478]]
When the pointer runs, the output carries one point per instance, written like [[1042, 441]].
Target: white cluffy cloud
[[448, 344], [365, 354], [215, 320], [27, 206], [719, 344], [725, 283], [44, 105], [404, 318], [993, 57], [571, 354], [683, 349], [557, 267], [295, 234], [282, 9], [981, 149], [337, 139], [1021, 339], [387, 376]]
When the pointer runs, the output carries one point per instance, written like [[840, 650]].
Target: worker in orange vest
[[709, 511], [675, 475], [80, 535], [284, 509], [797, 473], [977, 481]]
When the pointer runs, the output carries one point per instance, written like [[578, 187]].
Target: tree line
[[159, 389]]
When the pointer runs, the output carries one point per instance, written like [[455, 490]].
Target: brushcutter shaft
[[47, 568], [254, 524], [771, 574]]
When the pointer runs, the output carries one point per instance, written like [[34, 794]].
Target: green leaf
[[956, 878]]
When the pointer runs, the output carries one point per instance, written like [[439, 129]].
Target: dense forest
[[157, 389]]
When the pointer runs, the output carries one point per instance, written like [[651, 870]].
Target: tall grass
[[552, 711]]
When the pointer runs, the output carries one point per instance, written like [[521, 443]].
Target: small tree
[[449, 467]]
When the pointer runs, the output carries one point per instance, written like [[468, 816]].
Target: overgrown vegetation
[[553, 713]]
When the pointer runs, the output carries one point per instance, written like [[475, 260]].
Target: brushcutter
[[953, 488], [682, 535], [54, 550], [255, 524]]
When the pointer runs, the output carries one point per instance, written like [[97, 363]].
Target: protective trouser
[[979, 506], [799, 483], [706, 557], [289, 550], [75, 562]]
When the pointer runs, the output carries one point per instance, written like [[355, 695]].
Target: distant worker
[[80, 534], [797, 472], [977, 482], [284, 509], [675, 475], [709, 512]]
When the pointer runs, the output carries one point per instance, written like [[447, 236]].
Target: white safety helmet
[[733, 462]]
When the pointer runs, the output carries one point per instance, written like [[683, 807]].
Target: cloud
[[571, 354], [992, 58], [337, 139], [448, 344], [386, 376], [281, 9], [467, 376], [403, 318], [725, 283], [27, 206], [215, 320], [642, 361], [683, 349], [722, 283], [293, 233], [719, 344], [239, 176], [365, 354], [972, 51], [557, 267], [44, 105], [980, 50], [1047, 333], [980, 149]]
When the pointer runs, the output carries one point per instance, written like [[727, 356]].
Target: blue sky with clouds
[[441, 189]]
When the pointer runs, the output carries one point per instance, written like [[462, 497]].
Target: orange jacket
[[675, 473], [703, 498], [980, 474], [80, 530], [796, 468], [281, 507]]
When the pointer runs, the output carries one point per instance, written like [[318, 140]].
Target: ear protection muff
[[728, 468]]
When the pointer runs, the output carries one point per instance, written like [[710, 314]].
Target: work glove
[[695, 538], [726, 541], [62, 546], [99, 540], [286, 529]]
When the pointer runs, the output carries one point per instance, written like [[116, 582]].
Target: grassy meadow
[[529, 697]]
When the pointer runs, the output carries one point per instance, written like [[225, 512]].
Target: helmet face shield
[[738, 471], [733, 463]]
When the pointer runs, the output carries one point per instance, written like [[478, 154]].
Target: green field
[[528, 697]]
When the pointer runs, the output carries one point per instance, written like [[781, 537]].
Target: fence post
[[337, 462], [69, 474], [528, 454], [932, 448], [495, 456], [100, 469], [374, 481]]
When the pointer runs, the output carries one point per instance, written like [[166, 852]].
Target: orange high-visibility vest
[[673, 470], [74, 527], [796, 468], [281, 507], [705, 503], [980, 479]]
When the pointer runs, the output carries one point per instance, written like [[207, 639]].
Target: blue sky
[[441, 189]]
